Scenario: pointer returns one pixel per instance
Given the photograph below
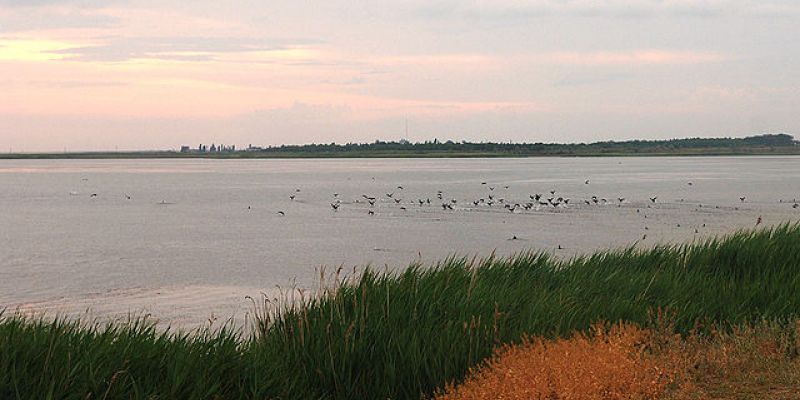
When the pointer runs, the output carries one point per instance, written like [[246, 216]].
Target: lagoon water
[[197, 236]]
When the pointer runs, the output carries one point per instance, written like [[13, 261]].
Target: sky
[[140, 75]]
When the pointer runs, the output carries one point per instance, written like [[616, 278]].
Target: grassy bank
[[624, 361], [406, 335]]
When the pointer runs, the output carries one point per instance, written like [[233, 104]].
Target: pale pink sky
[[96, 75]]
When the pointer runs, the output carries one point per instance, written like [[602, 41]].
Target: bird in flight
[[653, 199], [335, 206], [281, 213]]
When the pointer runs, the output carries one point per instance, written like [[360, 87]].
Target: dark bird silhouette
[[297, 190], [758, 221], [371, 202], [553, 192], [335, 206], [93, 195], [483, 183], [397, 201], [281, 213], [505, 187], [421, 202], [400, 187], [370, 212], [491, 187], [795, 205], [291, 197], [653, 199], [743, 198], [586, 182], [621, 199], [403, 208], [389, 194], [690, 183], [336, 195]]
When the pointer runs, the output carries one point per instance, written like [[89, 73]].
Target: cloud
[[598, 79], [638, 57], [511, 11], [178, 48], [52, 18]]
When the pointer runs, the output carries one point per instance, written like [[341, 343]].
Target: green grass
[[400, 336]]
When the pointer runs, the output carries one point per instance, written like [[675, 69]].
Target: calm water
[[202, 225]]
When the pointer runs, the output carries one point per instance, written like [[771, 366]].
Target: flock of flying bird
[[535, 201]]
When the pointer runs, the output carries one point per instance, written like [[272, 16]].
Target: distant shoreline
[[791, 151], [770, 144]]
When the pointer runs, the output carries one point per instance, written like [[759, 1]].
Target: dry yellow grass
[[627, 362]]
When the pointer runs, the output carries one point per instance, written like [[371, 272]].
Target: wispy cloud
[[178, 48], [495, 11], [637, 57]]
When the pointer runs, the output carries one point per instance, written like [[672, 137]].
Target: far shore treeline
[[768, 144]]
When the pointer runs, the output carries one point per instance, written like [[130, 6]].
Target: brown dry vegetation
[[624, 361]]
